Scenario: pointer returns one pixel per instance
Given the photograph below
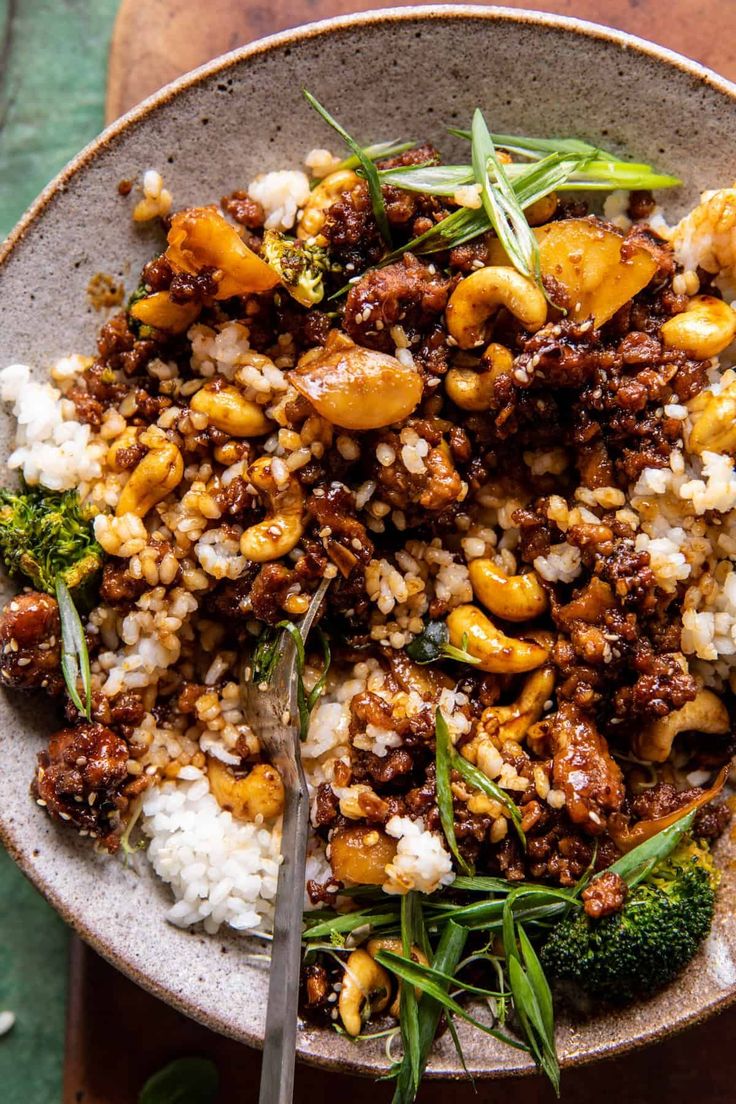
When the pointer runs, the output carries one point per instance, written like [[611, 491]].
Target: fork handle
[[279, 1048]]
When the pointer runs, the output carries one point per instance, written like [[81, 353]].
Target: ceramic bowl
[[409, 72]]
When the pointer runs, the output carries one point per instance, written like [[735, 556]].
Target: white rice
[[281, 194]]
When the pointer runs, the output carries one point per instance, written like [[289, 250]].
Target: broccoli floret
[[301, 266], [642, 947], [46, 536]]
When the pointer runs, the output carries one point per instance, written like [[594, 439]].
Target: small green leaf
[[74, 653], [185, 1081], [427, 646], [443, 751], [367, 165], [491, 789]]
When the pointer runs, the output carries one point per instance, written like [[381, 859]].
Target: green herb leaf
[[186, 1081], [366, 163], [408, 1005], [637, 863], [491, 789], [316, 692], [74, 653], [301, 694], [423, 978], [373, 919], [446, 957], [501, 204], [427, 646], [443, 752], [431, 973], [377, 152], [265, 656]]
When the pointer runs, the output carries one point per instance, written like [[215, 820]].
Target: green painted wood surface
[[53, 56]]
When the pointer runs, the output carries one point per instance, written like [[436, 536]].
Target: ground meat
[[120, 349], [352, 232], [434, 488], [269, 591], [326, 806], [248, 212], [605, 895], [198, 288], [124, 712], [157, 274], [80, 777], [641, 204], [88, 409], [406, 294], [382, 769], [118, 586], [584, 770], [30, 649], [332, 509], [663, 798]]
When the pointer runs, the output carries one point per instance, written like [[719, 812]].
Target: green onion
[[434, 983], [429, 179], [638, 862], [265, 656], [501, 203], [491, 789], [349, 921], [316, 692], [412, 932], [446, 957], [369, 169], [443, 751], [376, 152], [74, 653]]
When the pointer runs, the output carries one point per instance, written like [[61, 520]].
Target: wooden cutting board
[[158, 40], [117, 1035]]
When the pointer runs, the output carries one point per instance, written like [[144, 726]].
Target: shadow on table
[[118, 1035]]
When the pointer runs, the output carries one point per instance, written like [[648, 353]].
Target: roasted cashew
[[320, 200], [228, 410], [512, 722], [158, 473], [161, 312], [357, 388], [359, 854], [478, 297], [283, 524], [395, 946], [201, 237], [366, 989], [703, 330], [705, 713], [499, 654], [513, 597], [259, 793], [714, 425], [473, 390], [538, 213]]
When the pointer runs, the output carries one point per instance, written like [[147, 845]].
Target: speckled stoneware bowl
[[408, 72]]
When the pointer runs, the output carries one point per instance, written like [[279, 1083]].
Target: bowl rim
[[436, 13]]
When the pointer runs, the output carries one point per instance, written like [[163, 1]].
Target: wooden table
[[117, 1034]]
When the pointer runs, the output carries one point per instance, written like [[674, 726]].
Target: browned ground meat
[[345, 539], [80, 777], [432, 490], [584, 770], [407, 294], [351, 231], [605, 895], [248, 212], [119, 348], [663, 798], [30, 643]]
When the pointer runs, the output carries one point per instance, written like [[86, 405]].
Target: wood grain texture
[[118, 1036], [158, 40]]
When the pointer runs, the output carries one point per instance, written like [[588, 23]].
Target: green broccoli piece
[[47, 536], [641, 948], [301, 266]]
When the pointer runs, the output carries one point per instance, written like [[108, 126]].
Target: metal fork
[[273, 715]]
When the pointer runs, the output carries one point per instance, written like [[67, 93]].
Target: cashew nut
[[513, 597], [512, 722], [714, 423], [359, 854], [162, 313], [472, 390], [228, 410], [320, 199], [703, 330], [357, 388], [478, 297], [705, 713], [499, 654], [201, 237], [395, 946], [283, 524], [542, 211], [366, 989], [158, 473], [259, 793]]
